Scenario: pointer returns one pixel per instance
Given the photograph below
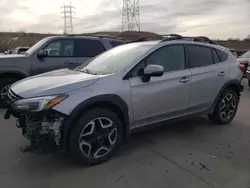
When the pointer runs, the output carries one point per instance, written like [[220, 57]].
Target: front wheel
[[5, 83], [225, 108], [96, 136]]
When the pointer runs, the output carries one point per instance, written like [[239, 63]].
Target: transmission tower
[[67, 12], [130, 15]]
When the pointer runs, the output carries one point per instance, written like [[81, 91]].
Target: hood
[[52, 83], [11, 56]]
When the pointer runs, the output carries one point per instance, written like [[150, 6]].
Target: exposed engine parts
[[41, 127]]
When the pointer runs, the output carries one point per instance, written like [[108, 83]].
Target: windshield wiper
[[86, 71]]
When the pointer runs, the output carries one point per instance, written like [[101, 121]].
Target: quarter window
[[215, 56], [60, 48], [199, 56], [223, 55]]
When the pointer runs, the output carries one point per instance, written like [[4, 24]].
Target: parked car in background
[[244, 59], [234, 52], [52, 53], [8, 52], [20, 50], [90, 110]]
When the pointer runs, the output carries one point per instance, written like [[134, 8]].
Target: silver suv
[[90, 110]]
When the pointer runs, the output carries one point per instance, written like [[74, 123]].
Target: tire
[[84, 126], [222, 115], [5, 82], [248, 82]]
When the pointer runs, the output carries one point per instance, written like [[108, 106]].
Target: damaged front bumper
[[43, 129]]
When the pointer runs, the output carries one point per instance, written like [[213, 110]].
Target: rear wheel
[[225, 108], [5, 83], [96, 136]]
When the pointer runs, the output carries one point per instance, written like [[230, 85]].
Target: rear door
[[207, 76], [86, 49]]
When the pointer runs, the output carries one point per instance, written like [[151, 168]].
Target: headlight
[[38, 103]]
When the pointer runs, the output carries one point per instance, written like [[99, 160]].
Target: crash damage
[[43, 129]]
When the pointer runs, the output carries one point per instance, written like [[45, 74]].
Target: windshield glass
[[246, 55], [36, 46], [115, 59]]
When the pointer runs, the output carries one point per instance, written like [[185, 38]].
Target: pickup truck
[[52, 53]]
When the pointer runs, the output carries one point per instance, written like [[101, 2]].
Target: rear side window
[[199, 56], [215, 56], [223, 56], [115, 43], [88, 48]]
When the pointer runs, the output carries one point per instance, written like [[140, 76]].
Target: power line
[[67, 12], [130, 15]]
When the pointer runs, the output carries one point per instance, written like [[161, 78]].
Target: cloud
[[216, 19]]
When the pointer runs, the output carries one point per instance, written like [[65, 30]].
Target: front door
[[162, 97], [60, 55]]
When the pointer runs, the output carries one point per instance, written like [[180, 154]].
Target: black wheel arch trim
[[236, 83], [106, 98], [19, 73]]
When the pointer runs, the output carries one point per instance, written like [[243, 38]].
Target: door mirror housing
[[42, 54], [152, 71]]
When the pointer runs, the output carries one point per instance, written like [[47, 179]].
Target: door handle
[[184, 79], [222, 73]]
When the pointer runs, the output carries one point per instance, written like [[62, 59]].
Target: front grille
[[12, 97]]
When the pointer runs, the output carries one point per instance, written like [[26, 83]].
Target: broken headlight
[[38, 103]]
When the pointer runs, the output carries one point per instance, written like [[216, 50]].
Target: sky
[[213, 18]]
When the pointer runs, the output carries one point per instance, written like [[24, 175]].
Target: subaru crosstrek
[[90, 110]]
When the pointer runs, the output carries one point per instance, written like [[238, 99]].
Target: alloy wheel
[[98, 137], [228, 106]]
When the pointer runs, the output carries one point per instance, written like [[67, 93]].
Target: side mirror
[[42, 54], [152, 71]]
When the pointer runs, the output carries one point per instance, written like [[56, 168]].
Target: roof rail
[[179, 37], [138, 40], [99, 36]]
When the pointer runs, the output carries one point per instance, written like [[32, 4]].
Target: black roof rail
[[138, 40], [172, 35], [99, 36], [203, 39]]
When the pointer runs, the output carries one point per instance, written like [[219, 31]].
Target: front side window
[[60, 48], [171, 57], [199, 56]]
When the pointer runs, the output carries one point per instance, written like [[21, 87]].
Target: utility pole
[[67, 12], [130, 15]]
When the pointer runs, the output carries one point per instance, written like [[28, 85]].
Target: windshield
[[115, 59], [246, 55], [36, 46]]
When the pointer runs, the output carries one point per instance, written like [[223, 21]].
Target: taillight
[[242, 67]]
